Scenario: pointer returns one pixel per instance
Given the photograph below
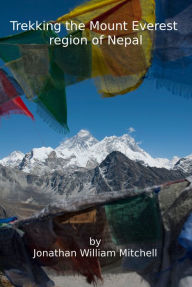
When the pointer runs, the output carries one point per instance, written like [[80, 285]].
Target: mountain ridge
[[115, 173], [85, 151]]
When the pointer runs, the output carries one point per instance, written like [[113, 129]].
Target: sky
[[161, 121]]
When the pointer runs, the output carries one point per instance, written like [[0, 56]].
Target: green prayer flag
[[136, 219], [31, 60]]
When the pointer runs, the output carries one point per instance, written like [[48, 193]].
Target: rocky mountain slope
[[184, 164], [115, 173]]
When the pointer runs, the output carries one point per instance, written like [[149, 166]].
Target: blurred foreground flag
[[10, 102], [116, 68], [30, 59], [172, 61]]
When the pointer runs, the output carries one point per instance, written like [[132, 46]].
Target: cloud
[[131, 130]]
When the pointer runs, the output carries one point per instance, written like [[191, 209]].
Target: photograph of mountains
[[96, 143], [84, 165]]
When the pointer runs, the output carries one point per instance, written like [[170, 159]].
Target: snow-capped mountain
[[13, 160], [82, 151], [184, 164]]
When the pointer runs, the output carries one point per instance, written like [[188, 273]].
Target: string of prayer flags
[[117, 56]]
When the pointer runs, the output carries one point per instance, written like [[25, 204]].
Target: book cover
[[95, 157]]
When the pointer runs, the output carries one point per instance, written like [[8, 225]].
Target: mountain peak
[[81, 142], [84, 133], [17, 153], [118, 173], [13, 160], [184, 164], [119, 159]]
